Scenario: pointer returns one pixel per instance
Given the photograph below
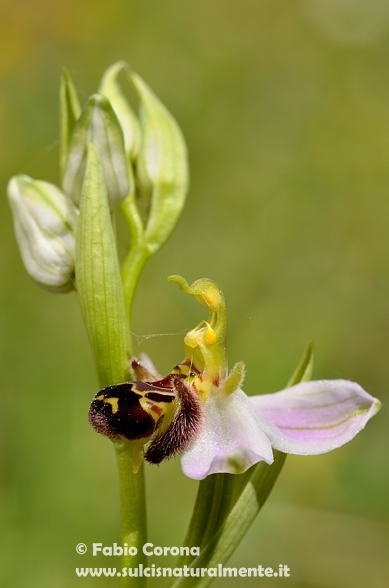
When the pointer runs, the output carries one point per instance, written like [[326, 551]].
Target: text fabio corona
[[148, 549]]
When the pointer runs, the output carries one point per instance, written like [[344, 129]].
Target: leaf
[[303, 371]]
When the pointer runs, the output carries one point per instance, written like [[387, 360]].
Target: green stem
[[132, 216], [132, 486], [133, 512], [137, 255], [132, 268]]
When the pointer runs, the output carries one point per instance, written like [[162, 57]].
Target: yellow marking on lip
[[114, 402], [100, 397]]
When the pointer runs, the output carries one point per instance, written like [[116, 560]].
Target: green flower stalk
[[102, 305], [106, 301]]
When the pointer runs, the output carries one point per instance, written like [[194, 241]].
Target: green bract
[[98, 277]]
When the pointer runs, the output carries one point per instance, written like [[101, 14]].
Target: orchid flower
[[201, 411], [238, 431]]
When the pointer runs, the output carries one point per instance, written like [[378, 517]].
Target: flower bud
[[98, 124], [162, 167], [110, 88], [45, 221]]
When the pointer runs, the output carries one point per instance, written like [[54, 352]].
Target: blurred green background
[[285, 109]]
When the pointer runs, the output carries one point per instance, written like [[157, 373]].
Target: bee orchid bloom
[[200, 410], [238, 430]]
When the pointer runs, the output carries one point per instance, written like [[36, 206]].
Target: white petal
[[231, 440], [314, 417]]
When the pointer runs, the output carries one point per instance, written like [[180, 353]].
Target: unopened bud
[[127, 118], [98, 124], [45, 221], [162, 167]]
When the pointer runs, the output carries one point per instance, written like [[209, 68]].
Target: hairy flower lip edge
[[198, 463]]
